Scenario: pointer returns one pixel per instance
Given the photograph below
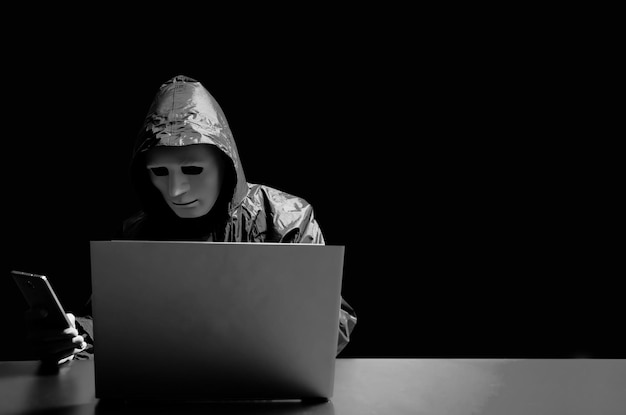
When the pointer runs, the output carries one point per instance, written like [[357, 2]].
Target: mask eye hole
[[159, 171], [191, 170]]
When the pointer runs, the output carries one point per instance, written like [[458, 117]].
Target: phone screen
[[39, 295]]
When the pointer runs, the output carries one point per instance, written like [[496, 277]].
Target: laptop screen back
[[215, 321]]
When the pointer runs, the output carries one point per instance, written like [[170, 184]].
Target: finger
[[80, 341], [53, 347], [67, 359], [77, 342], [71, 331], [79, 349], [51, 335], [72, 319], [49, 345], [56, 353], [56, 359], [74, 352]]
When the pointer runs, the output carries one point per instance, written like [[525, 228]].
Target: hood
[[184, 113]]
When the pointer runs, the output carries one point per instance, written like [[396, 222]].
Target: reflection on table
[[363, 386]]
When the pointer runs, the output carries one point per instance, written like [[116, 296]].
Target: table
[[366, 386]]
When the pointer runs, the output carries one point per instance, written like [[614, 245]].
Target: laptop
[[205, 321]]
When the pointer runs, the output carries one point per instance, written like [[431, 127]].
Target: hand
[[53, 345]]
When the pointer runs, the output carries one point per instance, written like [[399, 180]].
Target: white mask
[[188, 177]]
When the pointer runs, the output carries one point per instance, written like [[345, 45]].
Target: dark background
[[436, 159]]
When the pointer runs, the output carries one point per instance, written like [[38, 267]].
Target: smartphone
[[39, 294]]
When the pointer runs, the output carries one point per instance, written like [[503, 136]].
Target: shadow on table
[[11, 369], [215, 408]]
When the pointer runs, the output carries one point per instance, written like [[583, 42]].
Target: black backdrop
[[430, 165]]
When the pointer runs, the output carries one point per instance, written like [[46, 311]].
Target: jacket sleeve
[[84, 325], [297, 223], [347, 321]]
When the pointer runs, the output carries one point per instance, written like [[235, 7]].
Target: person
[[187, 174]]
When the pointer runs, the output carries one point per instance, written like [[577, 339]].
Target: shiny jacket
[[184, 113]]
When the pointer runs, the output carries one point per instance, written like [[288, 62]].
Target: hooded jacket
[[184, 113]]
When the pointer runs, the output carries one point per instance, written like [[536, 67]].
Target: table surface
[[366, 386]]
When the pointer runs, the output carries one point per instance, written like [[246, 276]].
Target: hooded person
[[191, 185]]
